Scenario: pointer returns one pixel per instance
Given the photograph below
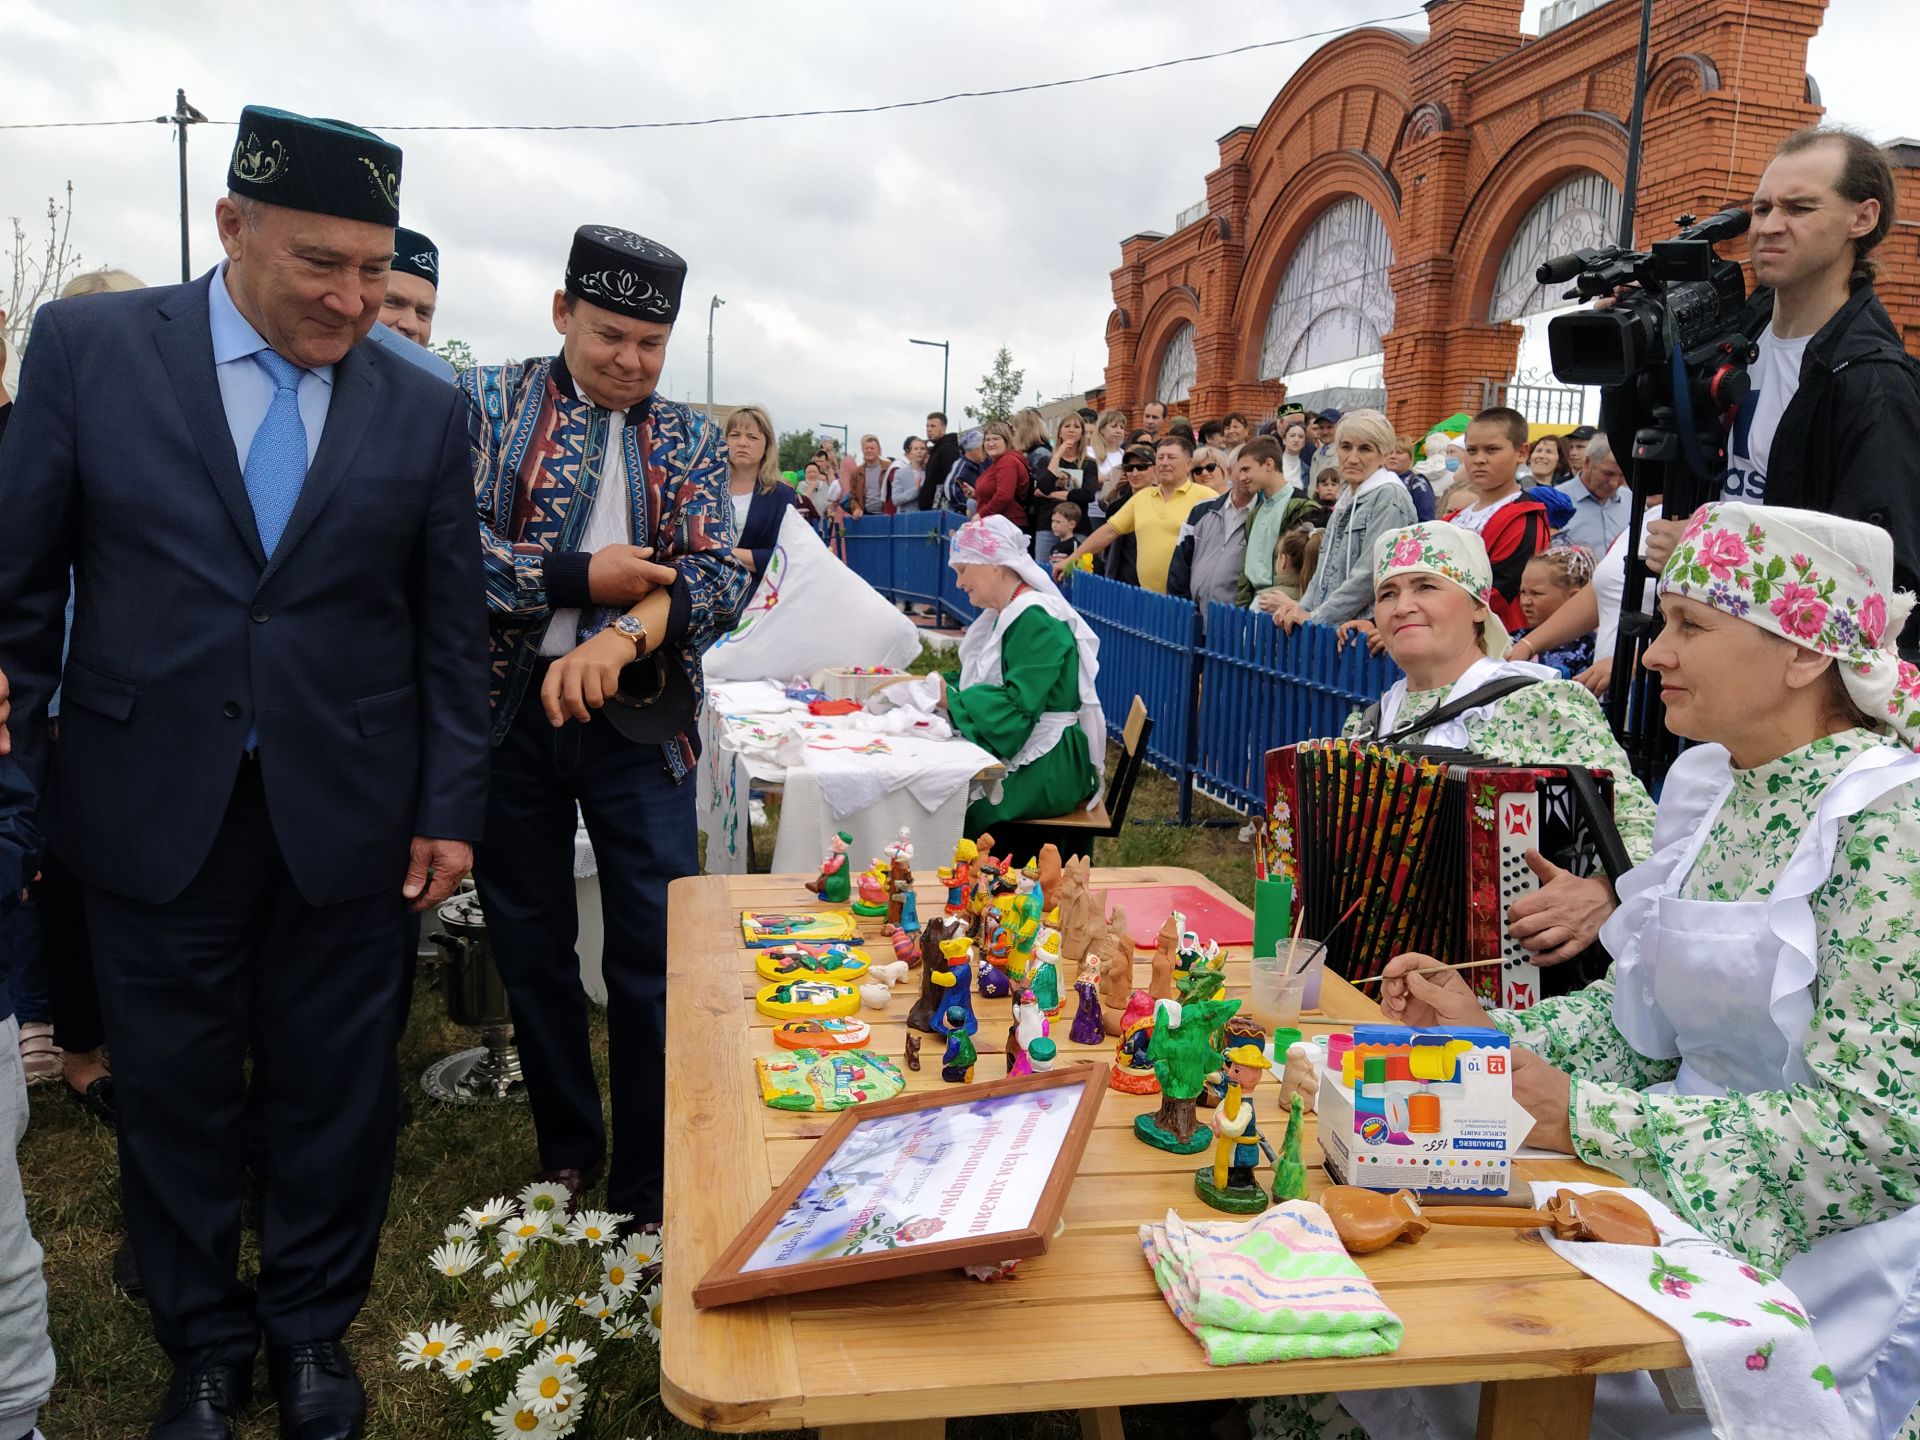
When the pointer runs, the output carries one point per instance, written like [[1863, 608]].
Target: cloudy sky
[[982, 222]]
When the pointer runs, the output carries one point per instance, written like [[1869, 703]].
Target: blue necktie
[[276, 462], [277, 459]]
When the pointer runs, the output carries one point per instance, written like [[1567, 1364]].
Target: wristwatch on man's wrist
[[630, 627]]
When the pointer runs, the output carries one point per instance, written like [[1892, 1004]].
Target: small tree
[[456, 353], [796, 448], [999, 390], [1182, 1054], [38, 270]]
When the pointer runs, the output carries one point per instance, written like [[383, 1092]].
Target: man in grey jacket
[[1212, 549]]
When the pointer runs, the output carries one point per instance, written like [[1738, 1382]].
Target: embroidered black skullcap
[[325, 166], [626, 273], [415, 254]]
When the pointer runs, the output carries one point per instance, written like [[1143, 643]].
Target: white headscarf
[[995, 540], [1435, 547], [1822, 582]]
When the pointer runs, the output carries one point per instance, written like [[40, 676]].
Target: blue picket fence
[[1219, 700]]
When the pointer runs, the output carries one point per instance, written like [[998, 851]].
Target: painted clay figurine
[[1228, 1184], [925, 1014], [1041, 1054], [996, 950], [1166, 955], [835, 880], [1132, 1071], [956, 979], [1182, 1051], [956, 1065], [903, 911], [806, 1000], [841, 1032], [1044, 980], [1114, 946], [1087, 1028], [906, 947], [891, 973], [958, 877], [870, 892], [913, 1051], [1241, 1030], [1289, 1175], [875, 996], [1029, 1024]]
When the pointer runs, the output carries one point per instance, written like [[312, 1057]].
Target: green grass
[[111, 1371]]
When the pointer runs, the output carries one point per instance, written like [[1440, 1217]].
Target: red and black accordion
[[1431, 844]]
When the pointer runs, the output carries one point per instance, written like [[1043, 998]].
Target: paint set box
[[1426, 1110]]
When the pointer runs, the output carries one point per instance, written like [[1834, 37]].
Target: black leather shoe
[[97, 1100], [319, 1393], [576, 1182], [126, 1271], [201, 1402]]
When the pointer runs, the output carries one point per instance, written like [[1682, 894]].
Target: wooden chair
[[1074, 834]]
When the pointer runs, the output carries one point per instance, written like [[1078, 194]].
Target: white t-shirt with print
[[1776, 378]]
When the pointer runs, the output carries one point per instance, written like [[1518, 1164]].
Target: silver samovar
[[477, 999]]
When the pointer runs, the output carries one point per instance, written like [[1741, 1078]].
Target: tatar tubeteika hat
[[415, 254], [626, 273], [327, 167]]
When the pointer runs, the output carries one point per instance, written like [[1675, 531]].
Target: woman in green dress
[[1024, 690]]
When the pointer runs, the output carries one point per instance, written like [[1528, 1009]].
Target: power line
[[817, 114]]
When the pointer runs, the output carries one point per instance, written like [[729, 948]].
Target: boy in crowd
[[1513, 526], [1065, 526]]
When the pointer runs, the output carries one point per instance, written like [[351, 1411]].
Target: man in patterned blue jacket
[[608, 538]]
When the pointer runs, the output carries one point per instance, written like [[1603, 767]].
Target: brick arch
[[1359, 58], [1328, 179], [1680, 80], [1118, 322], [1533, 165], [1179, 305]]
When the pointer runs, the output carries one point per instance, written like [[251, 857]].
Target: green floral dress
[[1555, 721]]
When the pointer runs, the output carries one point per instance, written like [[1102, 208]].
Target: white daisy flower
[[605, 1306], [644, 1247], [618, 1272], [584, 1302], [423, 1352], [544, 1387], [650, 1304], [563, 1421], [527, 1227], [567, 1354], [595, 1227], [492, 1213], [545, 1195], [539, 1319], [456, 1257], [615, 1328], [463, 1364], [496, 1345], [513, 1420], [512, 1295], [460, 1230]]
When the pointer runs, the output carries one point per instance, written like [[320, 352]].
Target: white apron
[[980, 664], [1726, 989], [1452, 734]]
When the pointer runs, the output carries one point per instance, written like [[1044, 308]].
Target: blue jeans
[[23, 975], [1044, 544]]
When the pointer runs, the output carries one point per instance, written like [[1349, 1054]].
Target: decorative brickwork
[[1451, 140]]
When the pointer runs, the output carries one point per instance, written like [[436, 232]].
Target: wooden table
[[1082, 1327]]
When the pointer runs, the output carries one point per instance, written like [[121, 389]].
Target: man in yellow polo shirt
[[1153, 517]]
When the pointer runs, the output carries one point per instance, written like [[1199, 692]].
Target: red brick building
[[1379, 228]]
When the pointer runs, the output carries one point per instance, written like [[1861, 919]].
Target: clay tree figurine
[[1087, 1028], [1228, 1183], [1289, 1175], [1166, 956], [1114, 946], [1202, 982], [1182, 1051], [834, 883], [925, 1014], [956, 1065]]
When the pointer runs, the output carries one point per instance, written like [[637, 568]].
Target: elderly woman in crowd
[[1370, 502], [1024, 690], [1751, 1059], [760, 496]]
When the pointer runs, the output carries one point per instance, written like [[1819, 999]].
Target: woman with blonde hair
[[998, 490], [101, 282], [760, 497], [1370, 502], [1070, 473]]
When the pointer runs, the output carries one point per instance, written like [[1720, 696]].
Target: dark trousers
[[642, 828], [68, 951], [238, 963]]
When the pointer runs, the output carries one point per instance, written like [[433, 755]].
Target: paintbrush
[[1436, 969], [1294, 944]]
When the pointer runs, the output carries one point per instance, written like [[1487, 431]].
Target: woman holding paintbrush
[[1753, 1057]]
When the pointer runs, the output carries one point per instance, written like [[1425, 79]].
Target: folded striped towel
[[1277, 1286]]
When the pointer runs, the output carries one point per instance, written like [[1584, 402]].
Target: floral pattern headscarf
[[1814, 579], [1434, 547]]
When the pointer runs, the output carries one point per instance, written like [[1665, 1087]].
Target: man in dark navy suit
[[273, 737]]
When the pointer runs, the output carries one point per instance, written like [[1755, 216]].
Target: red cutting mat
[[1210, 917]]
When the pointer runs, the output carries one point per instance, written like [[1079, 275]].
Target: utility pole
[[1630, 192], [717, 303], [183, 115], [945, 355]]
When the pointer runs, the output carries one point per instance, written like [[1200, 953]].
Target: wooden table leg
[[1101, 1424], [934, 1429], [1559, 1409]]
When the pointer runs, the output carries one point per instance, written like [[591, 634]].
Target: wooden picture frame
[[741, 1272]]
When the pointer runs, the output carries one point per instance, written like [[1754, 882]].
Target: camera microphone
[[1563, 268]]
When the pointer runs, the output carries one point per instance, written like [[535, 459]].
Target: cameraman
[[1833, 419]]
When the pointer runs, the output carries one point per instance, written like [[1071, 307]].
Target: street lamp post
[[717, 303], [945, 355], [844, 438]]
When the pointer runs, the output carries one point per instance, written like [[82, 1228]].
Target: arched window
[[1177, 368], [1576, 214], [1334, 302]]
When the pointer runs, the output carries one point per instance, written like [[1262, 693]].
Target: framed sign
[[934, 1180]]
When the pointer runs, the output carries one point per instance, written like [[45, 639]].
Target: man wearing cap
[[413, 293], [1320, 428], [1577, 441], [272, 738], [608, 539]]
